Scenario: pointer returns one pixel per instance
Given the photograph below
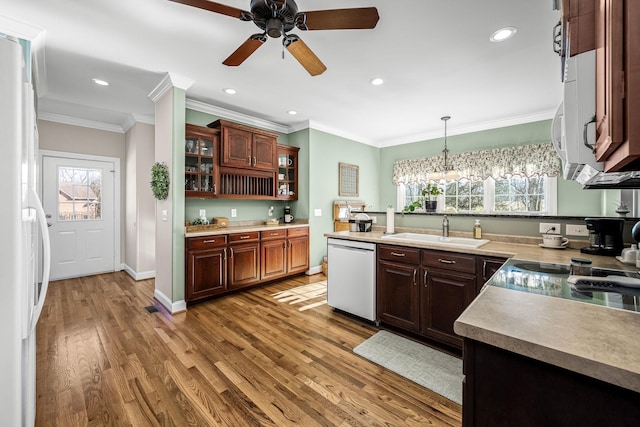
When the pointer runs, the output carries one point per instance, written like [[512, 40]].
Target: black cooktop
[[551, 280]]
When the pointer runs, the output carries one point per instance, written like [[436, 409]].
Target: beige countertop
[[242, 229], [600, 342], [524, 248]]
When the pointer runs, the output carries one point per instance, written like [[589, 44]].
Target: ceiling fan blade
[[338, 19], [304, 55], [245, 50], [215, 7]]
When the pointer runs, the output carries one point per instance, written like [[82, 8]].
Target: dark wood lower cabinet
[[244, 265], [424, 291], [298, 254], [223, 263], [445, 296], [205, 267], [502, 388], [274, 259]]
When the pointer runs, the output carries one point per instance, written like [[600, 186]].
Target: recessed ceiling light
[[229, 91], [376, 81], [101, 82], [503, 34], [292, 112]]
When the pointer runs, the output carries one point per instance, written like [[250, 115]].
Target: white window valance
[[524, 160]]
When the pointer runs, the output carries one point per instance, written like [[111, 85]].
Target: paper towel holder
[[390, 220]]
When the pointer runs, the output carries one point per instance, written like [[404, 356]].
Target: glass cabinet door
[[200, 162], [287, 187]]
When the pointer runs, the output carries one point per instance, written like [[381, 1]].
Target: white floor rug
[[423, 365], [312, 295]]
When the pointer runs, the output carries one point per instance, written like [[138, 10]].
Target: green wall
[[326, 151]]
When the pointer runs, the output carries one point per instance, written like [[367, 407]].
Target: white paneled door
[[78, 198]]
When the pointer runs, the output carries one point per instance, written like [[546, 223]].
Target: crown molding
[[234, 115], [74, 121], [169, 81], [494, 124], [134, 118], [19, 29], [341, 133]]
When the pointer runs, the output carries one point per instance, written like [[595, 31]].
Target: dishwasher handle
[[351, 248]]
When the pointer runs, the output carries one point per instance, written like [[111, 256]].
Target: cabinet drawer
[[449, 260], [244, 237], [273, 234], [399, 254], [206, 242], [293, 232]]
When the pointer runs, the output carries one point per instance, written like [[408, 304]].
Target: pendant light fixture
[[447, 172]]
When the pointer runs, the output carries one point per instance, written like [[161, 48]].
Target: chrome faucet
[[445, 227]]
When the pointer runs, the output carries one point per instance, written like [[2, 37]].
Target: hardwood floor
[[240, 360]]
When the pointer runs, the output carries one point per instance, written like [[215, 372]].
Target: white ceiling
[[434, 55]]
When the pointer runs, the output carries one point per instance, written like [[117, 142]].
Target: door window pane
[[79, 194]]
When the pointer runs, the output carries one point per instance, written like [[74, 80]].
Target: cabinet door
[[264, 152], [201, 162], [274, 259], [205, 271], [398, 295], [445, 295], [298, 254], [236, 148], [244, 265], [609, 77]]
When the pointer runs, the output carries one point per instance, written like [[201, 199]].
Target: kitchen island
[[533, 359]]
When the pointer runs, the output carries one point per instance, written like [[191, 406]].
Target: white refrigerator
[[24, 240]]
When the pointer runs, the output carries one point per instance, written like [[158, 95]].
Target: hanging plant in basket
[[160, 180]]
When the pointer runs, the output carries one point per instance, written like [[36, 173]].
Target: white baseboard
[[173, 307], [139, 275], [314, 270]]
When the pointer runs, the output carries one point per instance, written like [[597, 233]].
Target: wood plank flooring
[[240, 360]]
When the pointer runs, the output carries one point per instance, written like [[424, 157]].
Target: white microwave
[[572, 131]]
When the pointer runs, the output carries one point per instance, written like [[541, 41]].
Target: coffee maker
[[288, 218], [605, 236]]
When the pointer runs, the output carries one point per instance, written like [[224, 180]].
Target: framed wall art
[[348, 180]]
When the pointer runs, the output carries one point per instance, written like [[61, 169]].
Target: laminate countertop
[[243, 229], [596, 341]]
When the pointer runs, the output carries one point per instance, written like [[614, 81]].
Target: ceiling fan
[[277, 17]]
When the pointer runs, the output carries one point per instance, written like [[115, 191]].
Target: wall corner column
[[169, 97]]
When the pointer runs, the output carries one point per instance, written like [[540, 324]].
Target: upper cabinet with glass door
[[287, 172], [201, 163]]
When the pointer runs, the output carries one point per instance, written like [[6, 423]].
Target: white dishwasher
[[351, 282]]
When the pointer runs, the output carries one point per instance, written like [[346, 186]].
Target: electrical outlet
[[374, 220], [549, 228], [577, 230], [317, 212], [203, 213], [234, 213]]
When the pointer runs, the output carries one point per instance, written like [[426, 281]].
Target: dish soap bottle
[[477, 230]]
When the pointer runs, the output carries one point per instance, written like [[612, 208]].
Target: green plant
[[428, 193], [160, 180], [197, 221]]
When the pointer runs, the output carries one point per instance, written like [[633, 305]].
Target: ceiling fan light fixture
[[229, 91], [503, 34], [274, 28]]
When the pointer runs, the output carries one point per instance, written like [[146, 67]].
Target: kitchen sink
[[461, 242]]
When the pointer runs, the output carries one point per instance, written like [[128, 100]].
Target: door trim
[[117, 262]]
